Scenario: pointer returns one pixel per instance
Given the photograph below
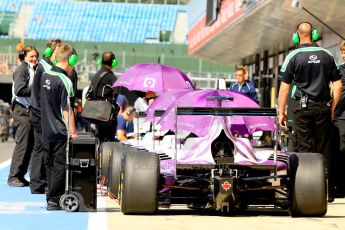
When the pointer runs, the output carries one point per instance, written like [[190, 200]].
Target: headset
[[314, 34], [49, 50], [21, 54], [113, 63], [72, 59]]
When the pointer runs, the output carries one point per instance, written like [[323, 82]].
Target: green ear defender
[[48, 52], [295, 38], [54, 61], [314, 34], [72, 60], [113, 63], [99, 62]]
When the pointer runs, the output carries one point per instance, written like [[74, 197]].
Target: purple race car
[[220, 171]]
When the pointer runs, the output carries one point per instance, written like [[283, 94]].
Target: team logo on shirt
[[313, 59], [47, 84]]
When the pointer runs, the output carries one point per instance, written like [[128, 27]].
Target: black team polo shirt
[[56, 91], [311, 69]]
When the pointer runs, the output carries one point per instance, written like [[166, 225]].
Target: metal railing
[[87, 70]]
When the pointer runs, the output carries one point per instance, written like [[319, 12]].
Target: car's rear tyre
[[105, 153], [139, 182], [308, 185], [115, 163]]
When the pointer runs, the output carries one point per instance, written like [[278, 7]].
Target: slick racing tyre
[[308, 185], [139, 182], [115, 162], [104, 156]]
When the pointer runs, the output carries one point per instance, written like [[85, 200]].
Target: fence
[[87, 68]]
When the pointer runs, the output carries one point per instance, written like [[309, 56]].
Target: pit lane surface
[[21, 210]]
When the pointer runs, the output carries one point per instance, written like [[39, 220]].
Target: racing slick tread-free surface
[[308, 188], [105, 153], [139, 182], [115, 163]]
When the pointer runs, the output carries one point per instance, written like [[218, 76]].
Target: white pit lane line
[[20, 208], [98, 220], [17, 207]]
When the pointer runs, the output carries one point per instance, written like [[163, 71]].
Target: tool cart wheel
[[69, 202]]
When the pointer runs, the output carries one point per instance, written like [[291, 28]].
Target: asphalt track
[[19, 210]]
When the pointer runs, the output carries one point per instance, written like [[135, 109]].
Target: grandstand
[[6, 18], [92, 21], [130, 28], [102, 22]]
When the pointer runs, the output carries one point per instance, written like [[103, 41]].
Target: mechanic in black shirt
[[38, 174], [21, 90], [340, 109], [311, 68], [339, 123], [56, 91], [103, 91], [38, 177]]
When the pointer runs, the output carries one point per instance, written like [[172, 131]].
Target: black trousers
[[56, 161], [106, 133], [338, 159], [312, 131], [24, 139], [38, 175]]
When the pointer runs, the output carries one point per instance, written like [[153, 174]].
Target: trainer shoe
[[15, 182], [52, 206]]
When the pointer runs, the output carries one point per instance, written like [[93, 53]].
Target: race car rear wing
[[226, 111], [157, 113], [203, 111]]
